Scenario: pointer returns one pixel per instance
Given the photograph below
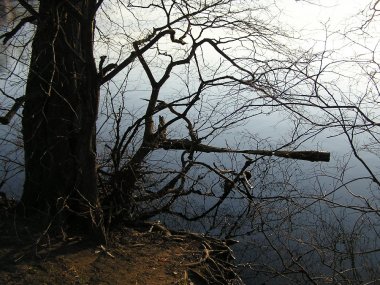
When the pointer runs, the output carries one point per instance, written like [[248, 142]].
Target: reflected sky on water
[[343, 180]]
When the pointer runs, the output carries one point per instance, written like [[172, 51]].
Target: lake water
[[302, 222]]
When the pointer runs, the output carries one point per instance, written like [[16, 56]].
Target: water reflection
[[300, 221], [14, 59], [291, 231], [6, 16], [11, 52]]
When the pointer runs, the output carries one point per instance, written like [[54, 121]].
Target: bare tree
[[170, 86], [335, 239]]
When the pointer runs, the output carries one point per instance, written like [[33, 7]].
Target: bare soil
[[148, 254], [136, 258]]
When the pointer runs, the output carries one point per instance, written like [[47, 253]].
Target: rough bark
[[60, 110]]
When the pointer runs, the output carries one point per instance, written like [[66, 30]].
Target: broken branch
[[186, 144]]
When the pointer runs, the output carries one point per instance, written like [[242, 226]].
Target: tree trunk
[[60, 111]]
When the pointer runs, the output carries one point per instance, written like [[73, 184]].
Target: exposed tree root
[[215, 263], [213, 258]]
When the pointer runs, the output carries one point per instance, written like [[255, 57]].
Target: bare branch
[[29, 8], [5, 120], [7, 36], [186, 144]]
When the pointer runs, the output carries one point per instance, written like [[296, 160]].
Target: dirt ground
[[135, 257], [149, 254]]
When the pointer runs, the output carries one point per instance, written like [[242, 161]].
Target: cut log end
[[305, 155]]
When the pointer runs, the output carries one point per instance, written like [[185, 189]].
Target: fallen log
[[185, 144]]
